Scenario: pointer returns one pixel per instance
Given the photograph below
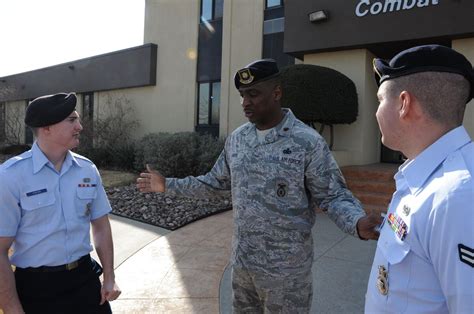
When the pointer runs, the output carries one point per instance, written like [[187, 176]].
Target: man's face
[[388, 117], [259, 102], [66, 133]]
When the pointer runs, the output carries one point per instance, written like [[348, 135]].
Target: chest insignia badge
[[281, 188], [86, 180]]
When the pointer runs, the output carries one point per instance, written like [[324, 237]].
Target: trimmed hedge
[[178, 155], [319, 94]]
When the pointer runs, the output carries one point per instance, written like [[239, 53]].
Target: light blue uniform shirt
[[49, 212], [430, 270]]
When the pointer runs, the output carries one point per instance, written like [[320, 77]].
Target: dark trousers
[[67, 291]]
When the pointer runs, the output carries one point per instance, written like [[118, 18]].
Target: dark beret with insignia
[[256, 72], [50, 109], [427, 58]]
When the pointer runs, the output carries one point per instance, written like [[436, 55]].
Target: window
[[273, 33], [204, 91], [216, 102], [212, 9], [88, 107], [209, 100], [2, 122], [28, 131], [273, 3], [87, 119], [274, 26], [218, 9]]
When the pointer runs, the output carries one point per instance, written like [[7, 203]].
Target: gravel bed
[[167, 211]]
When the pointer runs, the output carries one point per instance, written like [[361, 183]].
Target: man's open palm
[[151, 181]]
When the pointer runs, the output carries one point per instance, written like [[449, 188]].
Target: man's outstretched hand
[[151, 181], [366, 226]]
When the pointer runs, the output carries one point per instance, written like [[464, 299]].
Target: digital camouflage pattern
[[275, 187]]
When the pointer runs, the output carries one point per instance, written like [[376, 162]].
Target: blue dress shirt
[[426, 242], [49, 212]]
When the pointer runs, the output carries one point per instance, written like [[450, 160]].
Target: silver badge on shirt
[[382, 280]]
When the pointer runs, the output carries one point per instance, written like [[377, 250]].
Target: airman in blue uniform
[[49, 197], [425, 254]]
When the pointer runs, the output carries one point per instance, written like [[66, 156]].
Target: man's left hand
[[366, 226], [109, 292]]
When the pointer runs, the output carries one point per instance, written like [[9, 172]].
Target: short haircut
[[441, 95], [274, 81]]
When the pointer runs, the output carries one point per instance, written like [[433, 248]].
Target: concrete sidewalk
[[185, 271]]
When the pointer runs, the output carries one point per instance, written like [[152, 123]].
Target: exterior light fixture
[[318, 16]]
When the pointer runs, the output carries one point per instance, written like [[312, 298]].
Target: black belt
[[48, 269]]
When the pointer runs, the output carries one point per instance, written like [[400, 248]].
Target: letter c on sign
[[358, 12]]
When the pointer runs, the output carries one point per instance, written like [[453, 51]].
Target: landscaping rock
[[164, 210]]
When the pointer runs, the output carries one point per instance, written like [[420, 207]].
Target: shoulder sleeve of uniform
[[14, 160], [452, 256], [82, 160], [310, 137], [241, 129]]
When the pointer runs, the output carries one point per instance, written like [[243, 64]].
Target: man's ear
[[406, 104], [45, 129], [277, 92]]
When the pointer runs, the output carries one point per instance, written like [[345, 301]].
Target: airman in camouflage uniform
[[276, 181]]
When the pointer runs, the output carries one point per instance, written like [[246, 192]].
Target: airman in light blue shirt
[[424, 262], [48, 212], [49, 199]]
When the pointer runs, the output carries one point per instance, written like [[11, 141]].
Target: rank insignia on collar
[[287, 151], [466, 254], [245, 76], [406, 210], [382, 280]]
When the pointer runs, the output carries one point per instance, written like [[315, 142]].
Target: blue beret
[[428, 58], [50, 109], [256, 72]]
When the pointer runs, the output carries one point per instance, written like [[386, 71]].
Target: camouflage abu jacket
[[275, 186]]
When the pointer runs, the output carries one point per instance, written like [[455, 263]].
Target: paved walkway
[[185, 271]]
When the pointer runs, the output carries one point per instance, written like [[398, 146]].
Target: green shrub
[[178, 155]]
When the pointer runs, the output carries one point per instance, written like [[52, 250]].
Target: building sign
[[372, 7], [354, 24]]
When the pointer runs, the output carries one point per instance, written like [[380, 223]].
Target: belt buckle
[[72, 265]]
